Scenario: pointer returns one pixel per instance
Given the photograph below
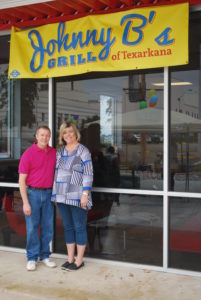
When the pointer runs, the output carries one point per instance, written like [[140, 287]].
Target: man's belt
[[38, 188]]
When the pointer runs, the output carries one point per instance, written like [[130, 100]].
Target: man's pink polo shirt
[[39, 165]]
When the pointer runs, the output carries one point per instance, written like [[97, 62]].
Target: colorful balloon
[[151, 92], [143, 104], [153, 101], [153, 98]]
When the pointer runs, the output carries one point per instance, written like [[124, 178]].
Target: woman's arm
[[87, 176]]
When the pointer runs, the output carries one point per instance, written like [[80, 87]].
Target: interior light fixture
[[173, 83]]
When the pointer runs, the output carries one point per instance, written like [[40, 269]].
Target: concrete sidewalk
[[96, 281]]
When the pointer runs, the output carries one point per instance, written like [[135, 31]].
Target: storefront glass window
[[12, 220], [185, 118], [128, 230], [4, 112], [121, 122], [185, 233], [23, 107], [4, 99], [185, 156]]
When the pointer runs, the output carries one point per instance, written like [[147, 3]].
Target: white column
[[50, 121], [50, 107], [165, 168]]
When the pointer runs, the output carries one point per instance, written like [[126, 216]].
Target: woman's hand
[[84, 199]]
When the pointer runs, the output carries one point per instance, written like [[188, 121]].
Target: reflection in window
[[23, 106], [185, 232], [107, 115], [121, 122], [12, 225], [185, 142], [122, 227], [59, 120], [4, 112], [43, 117], [185, 118]]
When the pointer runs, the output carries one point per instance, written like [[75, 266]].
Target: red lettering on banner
[[141, 54]]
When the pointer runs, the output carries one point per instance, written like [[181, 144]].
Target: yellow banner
[[141, 38]]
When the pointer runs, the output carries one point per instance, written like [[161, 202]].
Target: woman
[[72, 192]]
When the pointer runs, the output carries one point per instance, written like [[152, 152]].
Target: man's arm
[[23, 192]]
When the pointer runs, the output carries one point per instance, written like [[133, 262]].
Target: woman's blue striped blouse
[[73, 174]]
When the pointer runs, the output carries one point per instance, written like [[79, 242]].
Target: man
[[36, 174]]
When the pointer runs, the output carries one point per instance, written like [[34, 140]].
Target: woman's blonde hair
[[62, 130]]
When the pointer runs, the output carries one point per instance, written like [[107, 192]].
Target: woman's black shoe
[[74, 267], [66, 265]]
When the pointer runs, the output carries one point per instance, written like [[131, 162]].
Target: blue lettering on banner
[[137, 29], [63, 42], [62, 61], [162, 39], [78, 59]]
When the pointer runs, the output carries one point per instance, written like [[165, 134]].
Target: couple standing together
[[64, 177]]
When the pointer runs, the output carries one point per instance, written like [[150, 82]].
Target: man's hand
[[27, 209], [23, 192]]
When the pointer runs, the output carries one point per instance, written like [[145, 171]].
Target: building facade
[[143, 129]]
